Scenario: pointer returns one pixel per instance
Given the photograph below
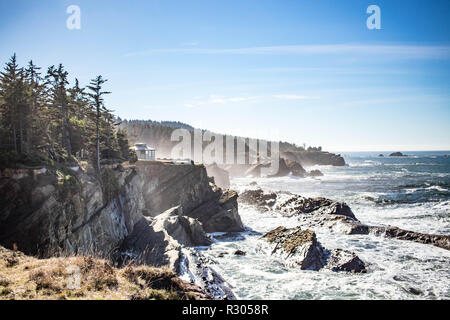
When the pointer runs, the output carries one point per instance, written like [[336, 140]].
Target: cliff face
[[188, 186], [46, 218], [45, 215]]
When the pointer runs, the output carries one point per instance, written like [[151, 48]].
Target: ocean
[[410, 192]]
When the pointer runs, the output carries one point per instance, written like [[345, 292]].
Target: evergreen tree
[[14, 108], [79, 124], [57, 78], [98, 106], [42, 120]]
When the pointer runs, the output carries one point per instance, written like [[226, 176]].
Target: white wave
[[394, 267]]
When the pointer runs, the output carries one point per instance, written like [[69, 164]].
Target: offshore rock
[[297, 247], [300, 248], [438, 240], [343, 260]]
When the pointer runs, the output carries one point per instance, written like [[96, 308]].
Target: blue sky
[[301, 71]]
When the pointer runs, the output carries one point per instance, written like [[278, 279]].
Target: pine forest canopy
[[43, 121]]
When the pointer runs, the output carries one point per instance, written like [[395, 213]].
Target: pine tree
[[14, 108], [79, 114], [36, 103], [57, 78], [98, 106]]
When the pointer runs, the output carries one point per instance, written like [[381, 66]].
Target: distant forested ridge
[[45, 121], [158, 135]]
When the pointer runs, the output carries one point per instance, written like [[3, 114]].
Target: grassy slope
[[24, 277]]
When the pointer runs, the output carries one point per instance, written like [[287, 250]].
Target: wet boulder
[[300, 248], [438, 240], [315, 173], [338, 208], [296, 247], [264, 201], [296, 204], [343, 260]]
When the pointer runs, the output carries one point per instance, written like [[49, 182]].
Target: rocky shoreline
[[158, 213], [336, 216]]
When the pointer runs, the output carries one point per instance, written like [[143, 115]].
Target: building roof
[[142, 147]]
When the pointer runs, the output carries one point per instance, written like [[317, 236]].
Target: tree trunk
[[98, 139]]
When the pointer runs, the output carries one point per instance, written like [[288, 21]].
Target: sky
[[300, 71]]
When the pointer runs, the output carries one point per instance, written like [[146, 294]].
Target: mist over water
[[410, 192]]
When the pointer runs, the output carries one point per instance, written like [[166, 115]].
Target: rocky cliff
[[47, 212], [168, 185], [310, 158]]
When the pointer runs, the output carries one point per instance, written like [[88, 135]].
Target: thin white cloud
[[216, 99], [399, 51], [190, 43], [293, 97]]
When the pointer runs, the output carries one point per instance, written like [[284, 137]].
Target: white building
[[143, 152]]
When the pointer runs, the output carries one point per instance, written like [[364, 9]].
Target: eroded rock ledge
[[301, 248], [336, 216]]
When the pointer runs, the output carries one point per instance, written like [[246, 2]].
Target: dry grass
[[23, 277]]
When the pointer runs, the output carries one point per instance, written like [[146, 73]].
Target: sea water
[[410, 192]]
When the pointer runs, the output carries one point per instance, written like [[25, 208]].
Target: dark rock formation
[[296, 168], [46, 215], [167, 185], [336, 216], [283, 169], [221, 176], [240, 253], [256, 170], [337, 208], [159, 241], [315, 173], [441, 241], [186, 230], [292, 204], [311, 158], [295, 204], [219, 215], [381, 155], [397, 154], [343, 260], [299, 247], [264, 201], [212, 282]]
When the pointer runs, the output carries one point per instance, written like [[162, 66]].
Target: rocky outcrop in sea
[[300, 248], [336, 216]]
